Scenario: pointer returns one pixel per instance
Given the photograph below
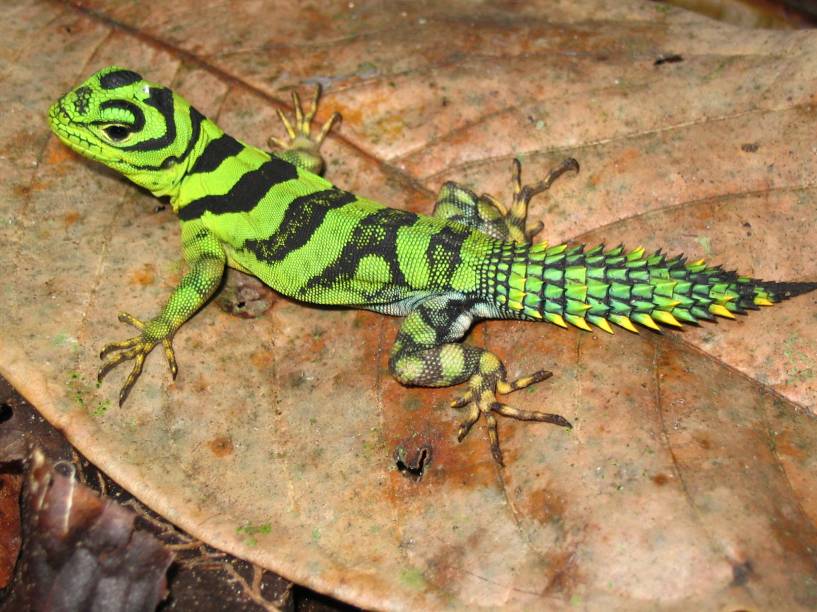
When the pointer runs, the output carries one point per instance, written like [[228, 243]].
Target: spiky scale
[[684, 315], [576, 307], [620, 291], [576, 292], [554, 275], [665, 289], [665, 303], [620, 306], [645, 320], [551, 260], [702, 313], [556, 319], [682, 287], [719, 310], [517, 282], [578, 321], [624, 322], [662, 316], [554, 292], [576, 274], [635, 254], [617, 274], [533, 284], [601, 323], [597, 289], [597, 307], [643, 291], [554, 306]]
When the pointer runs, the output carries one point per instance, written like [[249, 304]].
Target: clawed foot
[[481, 399], [136, 348], [516, 217], [299, 139]]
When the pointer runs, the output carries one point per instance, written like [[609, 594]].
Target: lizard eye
[[117, 133]]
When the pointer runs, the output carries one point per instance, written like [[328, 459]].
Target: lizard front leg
[[206, 259], [300, 147], [427, 353]]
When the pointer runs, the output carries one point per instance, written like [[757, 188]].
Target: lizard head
[[136, 127]]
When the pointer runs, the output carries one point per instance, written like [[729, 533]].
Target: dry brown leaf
[[689, 477]]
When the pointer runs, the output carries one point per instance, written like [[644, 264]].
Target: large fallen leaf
[[689, 476]]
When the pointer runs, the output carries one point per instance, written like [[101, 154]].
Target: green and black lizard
[[271, 215]]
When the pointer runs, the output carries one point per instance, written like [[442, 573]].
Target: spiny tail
[[564, 285]]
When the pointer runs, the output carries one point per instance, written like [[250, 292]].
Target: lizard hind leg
[[487, 214], [300, 147], [517, 217], [427, 353]]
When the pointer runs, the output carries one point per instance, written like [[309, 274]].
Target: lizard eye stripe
[[135, 111], [119, 78]]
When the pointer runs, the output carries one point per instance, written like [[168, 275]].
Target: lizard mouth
[[73, 134]]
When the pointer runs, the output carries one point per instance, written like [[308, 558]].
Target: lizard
[[272, 215]]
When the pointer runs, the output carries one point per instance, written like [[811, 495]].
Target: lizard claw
[[136, 349], [481, 400], [299, 130]]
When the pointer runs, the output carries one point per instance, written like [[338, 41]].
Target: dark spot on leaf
[[660, 479], [668, 58], [412, 463], [221, 446], [741, 572]]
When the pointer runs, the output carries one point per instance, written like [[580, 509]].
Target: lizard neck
[[218, 163], [187, 185]]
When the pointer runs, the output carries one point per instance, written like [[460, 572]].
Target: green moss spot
[[413, 578], [101, 408], [250, 531]]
